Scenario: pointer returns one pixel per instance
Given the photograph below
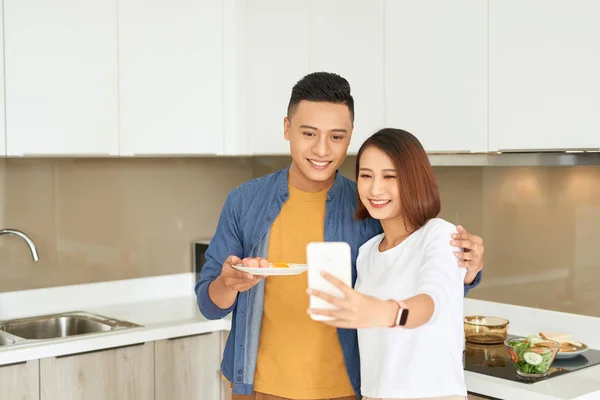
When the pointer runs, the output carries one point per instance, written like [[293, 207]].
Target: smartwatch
[[402, 314]]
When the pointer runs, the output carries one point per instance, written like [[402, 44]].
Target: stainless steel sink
[[5, 341], [60, 326]]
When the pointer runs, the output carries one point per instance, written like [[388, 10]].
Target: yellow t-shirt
[[298, 358]]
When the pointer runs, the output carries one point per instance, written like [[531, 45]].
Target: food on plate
[[532, 356], [280, 265], [566, 343]]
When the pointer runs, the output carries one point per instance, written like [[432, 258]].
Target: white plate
[[294, 269], [571, 354]]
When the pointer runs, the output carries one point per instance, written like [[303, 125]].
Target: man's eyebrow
[[339, 130]]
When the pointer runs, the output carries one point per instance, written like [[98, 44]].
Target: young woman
[[408, 299]]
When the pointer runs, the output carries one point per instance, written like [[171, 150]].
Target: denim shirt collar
[[283, 191]]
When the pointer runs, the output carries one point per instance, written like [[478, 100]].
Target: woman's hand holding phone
[[354, 309]]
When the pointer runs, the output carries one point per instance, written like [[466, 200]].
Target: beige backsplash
[[109, 219]]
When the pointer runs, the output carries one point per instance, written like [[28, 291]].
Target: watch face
[[403, 317]]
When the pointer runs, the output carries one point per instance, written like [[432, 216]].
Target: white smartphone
[[334, 258]]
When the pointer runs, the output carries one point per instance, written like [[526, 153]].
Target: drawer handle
[[189, 336], [99, 350]]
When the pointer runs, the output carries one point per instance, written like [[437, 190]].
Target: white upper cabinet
[[544, 74], [436, 72], [276, 57], [61, 77], [236, 141], [171, 77], [346, 37], [2, 118]]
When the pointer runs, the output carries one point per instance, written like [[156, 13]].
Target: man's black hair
[[321, 86]]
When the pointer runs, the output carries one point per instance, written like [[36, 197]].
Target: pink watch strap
[[401, 306]]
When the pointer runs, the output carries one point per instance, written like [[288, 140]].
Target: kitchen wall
[[108, 219]]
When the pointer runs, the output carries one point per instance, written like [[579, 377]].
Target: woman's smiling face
[[378, 187]]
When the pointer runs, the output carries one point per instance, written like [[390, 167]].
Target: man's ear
[[287, 129]]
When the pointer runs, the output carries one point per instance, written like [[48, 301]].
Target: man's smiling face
[[319, 135]]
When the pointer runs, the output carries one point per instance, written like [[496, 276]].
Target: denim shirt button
[[239, 378], [240, 371], [268, 218]]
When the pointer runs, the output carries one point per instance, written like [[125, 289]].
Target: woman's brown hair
[[419, 193]]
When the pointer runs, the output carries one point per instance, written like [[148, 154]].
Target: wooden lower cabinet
[[188, 368], [20, 381], [226, 391], [124, 373], [185, 368], [475, 397]]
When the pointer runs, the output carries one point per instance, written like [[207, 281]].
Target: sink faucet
[[26, 238]]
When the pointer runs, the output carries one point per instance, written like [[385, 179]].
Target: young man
[[274, 350]]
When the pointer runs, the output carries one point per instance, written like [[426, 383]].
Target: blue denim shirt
[[243, 231]]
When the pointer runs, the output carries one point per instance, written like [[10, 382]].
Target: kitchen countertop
[[160, 319], [581, 385], [172, 312], [168, 313]]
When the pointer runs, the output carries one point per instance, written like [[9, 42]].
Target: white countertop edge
[[106, 340], [500, 388]]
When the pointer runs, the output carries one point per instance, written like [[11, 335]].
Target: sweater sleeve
[[439, 275]]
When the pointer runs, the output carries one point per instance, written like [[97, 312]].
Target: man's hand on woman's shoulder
[[472, 255]]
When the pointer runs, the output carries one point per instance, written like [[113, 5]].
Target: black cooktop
[[493, 360]]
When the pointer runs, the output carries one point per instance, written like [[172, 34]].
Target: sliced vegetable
[[533, 358], [513, 356]]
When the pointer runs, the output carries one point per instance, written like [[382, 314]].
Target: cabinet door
[[544, 80], [474, 397], [171, 77], [2, 108], [235, 81], [61, 77], [125, 373], [226, 391], [276, 57], [436, 72], [188, 368], [347, 38], [20, 381]]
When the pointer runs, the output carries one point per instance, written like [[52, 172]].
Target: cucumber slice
[[533, 339], [532, 358]]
